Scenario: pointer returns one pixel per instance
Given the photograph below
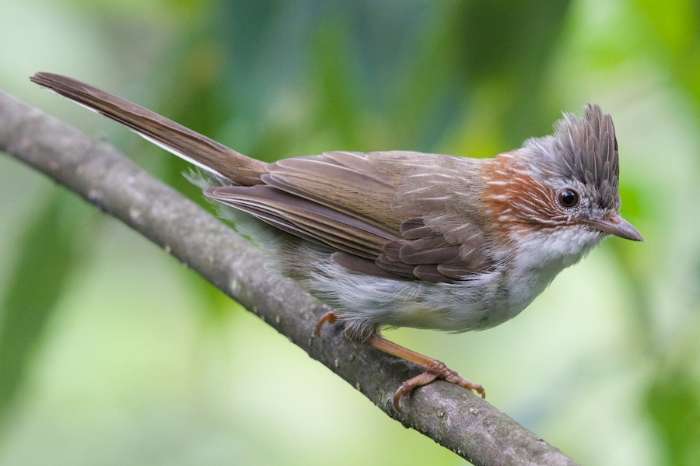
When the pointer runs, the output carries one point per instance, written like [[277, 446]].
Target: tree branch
[[453, 417]]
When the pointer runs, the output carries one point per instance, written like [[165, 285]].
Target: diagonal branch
[[453, 417]]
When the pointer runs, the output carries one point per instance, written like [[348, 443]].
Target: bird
[[404, 238]]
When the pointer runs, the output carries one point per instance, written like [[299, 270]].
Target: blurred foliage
[[473, 77], [54, 240], [673, 403]]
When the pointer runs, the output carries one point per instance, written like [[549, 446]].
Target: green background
[[112, 353]]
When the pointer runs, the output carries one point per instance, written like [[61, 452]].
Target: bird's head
[[561, 188]]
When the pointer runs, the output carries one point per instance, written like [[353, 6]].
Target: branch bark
[[453, 417]]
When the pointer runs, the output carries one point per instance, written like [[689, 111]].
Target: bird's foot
[[329, 317], [435, 370]]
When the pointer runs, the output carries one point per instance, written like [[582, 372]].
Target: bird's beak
[[618, 226]]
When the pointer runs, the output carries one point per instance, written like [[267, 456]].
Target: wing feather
[[347, 201], [314, 221]]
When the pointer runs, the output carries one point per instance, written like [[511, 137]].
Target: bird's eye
[[568, 198]]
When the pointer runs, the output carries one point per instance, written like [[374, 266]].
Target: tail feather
[[173, 137]]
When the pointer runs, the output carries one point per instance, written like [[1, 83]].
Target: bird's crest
[[583, 149]]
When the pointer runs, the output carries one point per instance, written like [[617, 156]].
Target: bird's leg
[[434, 369]]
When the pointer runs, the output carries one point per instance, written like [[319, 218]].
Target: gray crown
[[583, 149]]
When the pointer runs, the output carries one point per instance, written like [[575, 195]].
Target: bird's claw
[[437, 370], [329, 317]]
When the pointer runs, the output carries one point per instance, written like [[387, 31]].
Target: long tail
[[183, 142]]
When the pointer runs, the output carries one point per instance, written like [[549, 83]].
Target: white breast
[[540, 257]]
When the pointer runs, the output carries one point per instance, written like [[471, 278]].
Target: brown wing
[[439, 253], [306, 219], [347, 201], [352, 182]]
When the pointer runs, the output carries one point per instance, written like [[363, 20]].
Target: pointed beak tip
[[626, 230], [619, 227], [637, 237]]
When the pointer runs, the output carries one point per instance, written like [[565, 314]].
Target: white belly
[[482, 302]]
